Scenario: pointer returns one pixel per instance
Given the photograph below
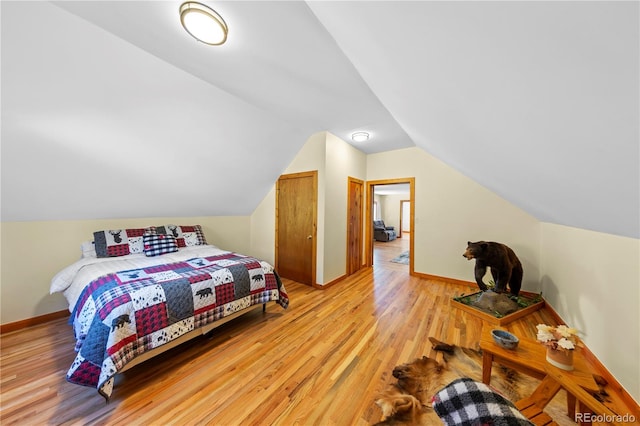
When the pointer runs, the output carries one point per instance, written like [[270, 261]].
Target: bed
[[138, 292]]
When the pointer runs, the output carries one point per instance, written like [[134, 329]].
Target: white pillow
[[88, 249]]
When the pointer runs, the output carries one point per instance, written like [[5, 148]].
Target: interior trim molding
[[445, 279], [30, 322], [330, 283]]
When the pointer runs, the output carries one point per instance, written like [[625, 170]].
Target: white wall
[[592, 280], [451, 209], [33, 252], [86, 112]]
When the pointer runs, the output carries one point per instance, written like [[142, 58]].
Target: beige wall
[[451, 209], [343, 160], [390, 209], [334, 160], [33, 252], [380, 201], [263, 228], [592, 280], [263, 220]]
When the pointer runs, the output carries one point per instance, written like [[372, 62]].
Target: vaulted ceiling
[[109, 109]]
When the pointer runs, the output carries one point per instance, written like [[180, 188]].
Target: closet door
[[354, 225], [296, 215]]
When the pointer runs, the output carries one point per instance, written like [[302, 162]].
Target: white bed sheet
[[72, 279]]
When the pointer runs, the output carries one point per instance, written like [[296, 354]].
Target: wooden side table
[[529, 357], [586, 403]]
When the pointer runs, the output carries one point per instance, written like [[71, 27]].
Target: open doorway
[[390, 205]]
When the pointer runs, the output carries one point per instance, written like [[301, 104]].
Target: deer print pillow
[[186, 236], [120, 242]]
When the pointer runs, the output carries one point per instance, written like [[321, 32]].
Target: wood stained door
[[354, 225], [296, 215]]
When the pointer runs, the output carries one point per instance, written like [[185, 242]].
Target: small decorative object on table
[[560, 342], [505, 339]]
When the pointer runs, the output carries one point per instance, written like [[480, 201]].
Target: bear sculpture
[[505, 265]]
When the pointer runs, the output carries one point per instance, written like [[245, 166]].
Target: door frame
[[314, 235], [369, 219]]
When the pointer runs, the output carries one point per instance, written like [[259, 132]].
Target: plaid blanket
[[124, 314], [469, 403]]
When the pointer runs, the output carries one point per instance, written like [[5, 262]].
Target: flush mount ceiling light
[[203, 23], [360, 136]]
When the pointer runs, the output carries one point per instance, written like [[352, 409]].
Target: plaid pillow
[[186, 236], [120, 242], [156, 244], [466, 402]]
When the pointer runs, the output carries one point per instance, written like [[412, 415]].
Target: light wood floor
[[383, 252], [322, 361]]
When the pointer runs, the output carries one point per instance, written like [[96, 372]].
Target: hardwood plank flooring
[[383, 252], [320, 362]]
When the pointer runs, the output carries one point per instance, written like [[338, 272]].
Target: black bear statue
[[506, 268]]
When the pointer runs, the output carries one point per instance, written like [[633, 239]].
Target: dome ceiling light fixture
[[203, 23], [360, 136]]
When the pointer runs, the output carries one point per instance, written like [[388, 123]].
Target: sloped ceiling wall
[[106, 115], [537, 101], [94, 127]]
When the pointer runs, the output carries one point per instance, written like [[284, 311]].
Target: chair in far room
[[381, 232]]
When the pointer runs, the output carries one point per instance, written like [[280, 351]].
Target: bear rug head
[[408, 400]]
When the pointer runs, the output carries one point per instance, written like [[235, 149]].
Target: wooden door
[[354, 225], [296, 214]]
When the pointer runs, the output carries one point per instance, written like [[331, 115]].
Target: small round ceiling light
[[203, 23], [360, 136]]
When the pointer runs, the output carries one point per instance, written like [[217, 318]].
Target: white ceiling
[[392, 189], [537, 101]]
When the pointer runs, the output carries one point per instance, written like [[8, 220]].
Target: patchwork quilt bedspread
[[121, 315]]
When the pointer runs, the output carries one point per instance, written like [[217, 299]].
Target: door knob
[[309, 237]]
